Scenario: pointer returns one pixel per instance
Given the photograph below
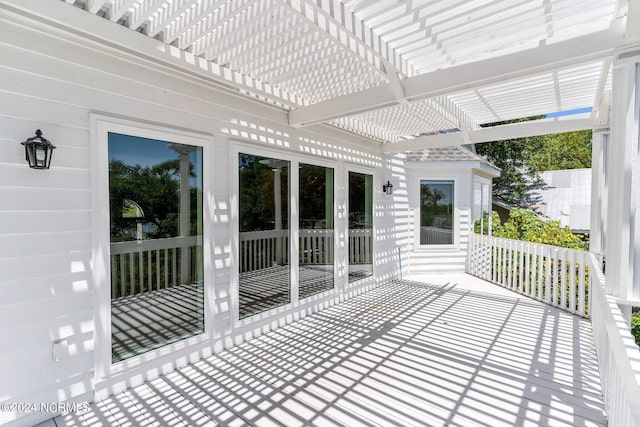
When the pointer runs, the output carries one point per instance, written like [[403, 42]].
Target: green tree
[[518, 172], [571, 150]]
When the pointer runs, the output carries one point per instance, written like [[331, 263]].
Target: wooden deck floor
[[405, 354]]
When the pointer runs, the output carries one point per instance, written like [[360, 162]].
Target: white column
[[623, 182], [597, 241]]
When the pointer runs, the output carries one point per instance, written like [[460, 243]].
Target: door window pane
[[360, 226], [265, 275], [155, 201], [316, 230], [436, 212]]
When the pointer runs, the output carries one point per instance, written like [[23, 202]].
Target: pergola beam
[[538, 60], [488, 134]]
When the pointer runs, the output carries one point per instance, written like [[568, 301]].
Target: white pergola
[[407, 73]]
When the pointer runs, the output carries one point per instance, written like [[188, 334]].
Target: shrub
[[524, 224], [635, 326]]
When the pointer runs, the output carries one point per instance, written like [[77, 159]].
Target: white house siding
[[53, 81]]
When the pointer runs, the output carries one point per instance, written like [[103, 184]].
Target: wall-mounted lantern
[[387, 188], [38, 151]]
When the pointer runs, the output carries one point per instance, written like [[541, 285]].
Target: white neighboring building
[[565, 196]]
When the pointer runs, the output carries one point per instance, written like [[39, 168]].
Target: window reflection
[[436, 212], [360, 226], [264, 279], [155, 199], [316, 230]]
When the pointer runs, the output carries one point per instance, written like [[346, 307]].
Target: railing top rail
[[620, 344], [526, 242], [153, 244]]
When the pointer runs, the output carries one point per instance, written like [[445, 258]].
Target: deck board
[[406, 353]]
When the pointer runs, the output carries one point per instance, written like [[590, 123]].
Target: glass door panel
[[264, 270], [360, 226], [155, 200], [316, 230]]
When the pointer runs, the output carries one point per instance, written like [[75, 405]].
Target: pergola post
[[623, 183], [597, 236]]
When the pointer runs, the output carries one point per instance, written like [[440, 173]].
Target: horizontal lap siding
[[45, 281], [46, 289]]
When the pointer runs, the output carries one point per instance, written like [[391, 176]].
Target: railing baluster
[[494, 260], [527, 266], [563, 279], [547, 274], [540, 279], [520, 266], [508, 264], [132, 282], [158, 280], [581, 284], [572, 283], [141, 268], [553, 274], [114, 275], [503, 257], [532, 271], [174, 267]]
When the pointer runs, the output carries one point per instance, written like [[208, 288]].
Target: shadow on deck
[[406, 353]]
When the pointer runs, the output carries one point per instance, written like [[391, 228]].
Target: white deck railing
[[571, 280], [618, 355], [558, 276], [146, 265]]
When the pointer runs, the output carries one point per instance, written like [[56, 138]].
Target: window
[[155, 206], [481, 208], [436, 212], [264, 270], [360, 226]]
